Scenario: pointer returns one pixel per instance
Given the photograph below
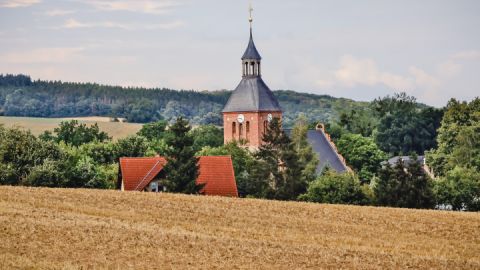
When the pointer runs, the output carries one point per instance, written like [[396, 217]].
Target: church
[[251, 106]]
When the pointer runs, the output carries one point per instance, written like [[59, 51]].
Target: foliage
[[306, 157], [404, 185], [132, 146], [73, 133], [403, 127], [153, 131], [358, 122], [182, 165], [206, 135], [279, 164], [20, 151], [47, 174], [362, 154], [338, 188], [458, 138], [460, 188]]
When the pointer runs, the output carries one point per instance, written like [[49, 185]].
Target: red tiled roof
[[137, 173], [216, 172]]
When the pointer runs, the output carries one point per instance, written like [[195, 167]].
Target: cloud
[[58, 12], [17, 3], [354, 71], [143, 6], [42, 55], [72, 24]]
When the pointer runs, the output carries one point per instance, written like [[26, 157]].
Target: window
[[265, 124], [234, 129], [247, 130], [240, 131]]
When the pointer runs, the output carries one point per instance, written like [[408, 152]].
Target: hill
[[75, 228], [19, 96], [38, 125]]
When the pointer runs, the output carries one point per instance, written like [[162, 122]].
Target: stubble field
[[44, 228]]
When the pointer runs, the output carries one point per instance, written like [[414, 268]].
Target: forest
[[20, 96]]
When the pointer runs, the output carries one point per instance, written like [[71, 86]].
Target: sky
[[344, 48]]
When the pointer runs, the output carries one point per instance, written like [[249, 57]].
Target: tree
[[182, 165], [207, 135], [404, 185], [404, 127], [131, 146], [362, 154], [153, 131], [47, 174], [458, 138], [20, 151], [460, 189], [336, 188], [306, 157], [279, 163], [76, 134]]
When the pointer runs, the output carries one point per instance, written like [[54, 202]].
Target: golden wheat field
[[38, 125], [44, 228]]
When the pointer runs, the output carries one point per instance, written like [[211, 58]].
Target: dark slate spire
[[251, 52], [252, 94]]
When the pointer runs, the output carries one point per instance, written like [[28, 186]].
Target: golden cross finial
[[250, 19]]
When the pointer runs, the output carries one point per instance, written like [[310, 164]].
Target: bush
[[460, 189], [336, 188]]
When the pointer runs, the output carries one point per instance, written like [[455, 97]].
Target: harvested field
[[37, 126], [44, 228]]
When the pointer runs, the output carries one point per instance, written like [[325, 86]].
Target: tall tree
[[404, 185], [458, 138], [280, 163], [182, 164], [306, 157], [404, 127]]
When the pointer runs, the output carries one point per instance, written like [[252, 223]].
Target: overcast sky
[[354, 49]]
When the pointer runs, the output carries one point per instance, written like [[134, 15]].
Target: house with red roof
[[147, 174]]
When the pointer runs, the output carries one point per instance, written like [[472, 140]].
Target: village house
[[147, 174]]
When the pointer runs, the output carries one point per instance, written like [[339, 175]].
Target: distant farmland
[[38, 125], [92, 229]]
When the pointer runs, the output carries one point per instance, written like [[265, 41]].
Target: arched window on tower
[[252, 66], [240, 131], [247, 131], [265, 125], [234, 130], [246, 68]]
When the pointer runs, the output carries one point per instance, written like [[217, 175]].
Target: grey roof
[[405, 159], [251, 51], [251, 95], [326, 153]]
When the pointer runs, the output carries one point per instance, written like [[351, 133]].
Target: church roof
[[252, 94], [251, 52]]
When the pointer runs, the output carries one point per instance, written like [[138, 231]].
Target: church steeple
[[251, 58], [252, 104]]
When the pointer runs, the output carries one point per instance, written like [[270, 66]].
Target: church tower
[[252, 104]]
